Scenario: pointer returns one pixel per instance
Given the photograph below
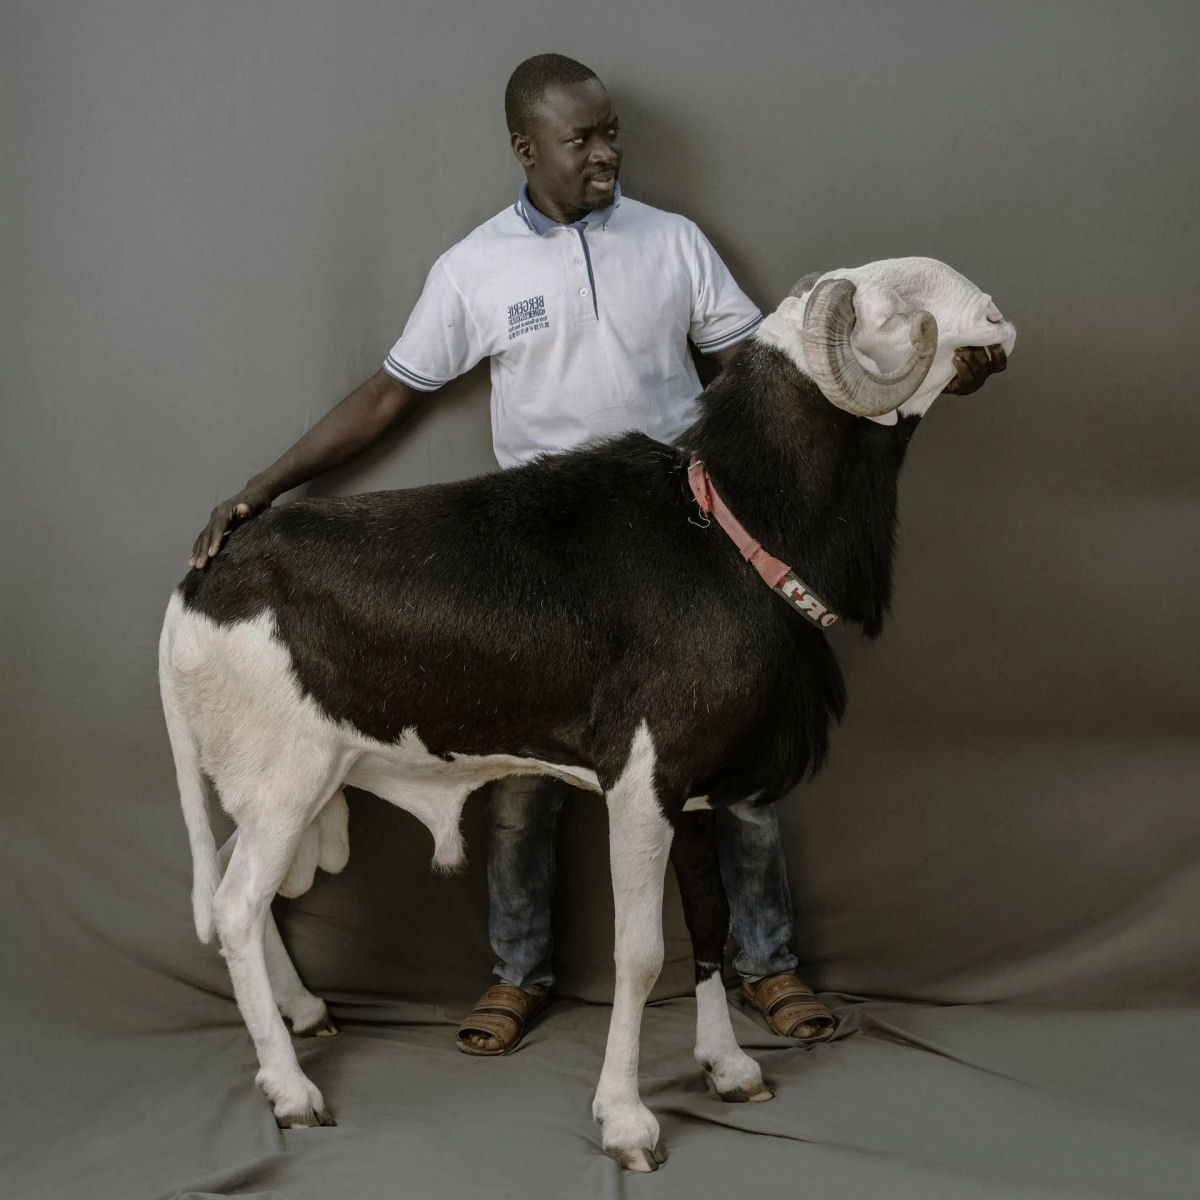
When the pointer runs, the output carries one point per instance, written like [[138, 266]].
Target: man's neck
[[540, 220], [548, 208]]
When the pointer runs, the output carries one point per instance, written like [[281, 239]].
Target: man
[[585, 302]]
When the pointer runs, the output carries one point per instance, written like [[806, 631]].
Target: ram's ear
[[791, 307], [876, 305]]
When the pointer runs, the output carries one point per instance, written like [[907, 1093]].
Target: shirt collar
[[541, 224]]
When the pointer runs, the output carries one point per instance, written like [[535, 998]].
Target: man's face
[[571, 153]]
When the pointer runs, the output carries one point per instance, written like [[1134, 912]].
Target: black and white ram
[[580, 617]]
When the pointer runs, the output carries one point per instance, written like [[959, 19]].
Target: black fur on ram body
[[546, 610]]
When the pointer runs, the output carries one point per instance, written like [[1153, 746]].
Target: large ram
[[590, 615]]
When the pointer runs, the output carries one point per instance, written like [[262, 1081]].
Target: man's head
[[564, 134]]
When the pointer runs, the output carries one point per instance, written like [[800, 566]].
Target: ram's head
[[881, 338]]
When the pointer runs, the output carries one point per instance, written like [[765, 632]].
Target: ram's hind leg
[[731, 1073], [306, 1015], [325, 844], [270, 826]]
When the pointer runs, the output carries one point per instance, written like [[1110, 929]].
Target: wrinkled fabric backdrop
[[215, 220]]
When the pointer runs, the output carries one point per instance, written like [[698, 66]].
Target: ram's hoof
[[295, 1100], [631, 1136], [736, 1079], [638, 1159], [309, 1119], [747, 1095], [308, 1017], [325, 1028]]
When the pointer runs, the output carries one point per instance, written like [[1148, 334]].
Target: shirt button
[[583, 291], [579, 262]]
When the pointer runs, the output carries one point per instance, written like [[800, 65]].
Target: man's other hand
[[249, 502], [973, 364]]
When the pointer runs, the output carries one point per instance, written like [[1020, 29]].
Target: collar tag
[[805, 603]]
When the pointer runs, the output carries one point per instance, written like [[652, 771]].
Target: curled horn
[[828, 322], [805, 283]]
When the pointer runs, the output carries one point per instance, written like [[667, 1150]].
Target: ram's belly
[[252, 721]]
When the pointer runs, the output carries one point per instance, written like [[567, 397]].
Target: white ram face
[[887, 296], [889, 293]]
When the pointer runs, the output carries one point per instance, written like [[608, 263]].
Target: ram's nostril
[[994, 315]]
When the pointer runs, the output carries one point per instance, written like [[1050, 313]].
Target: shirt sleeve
[[722, 314], [440, 340]]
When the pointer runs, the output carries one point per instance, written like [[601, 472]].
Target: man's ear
[[522, 148]]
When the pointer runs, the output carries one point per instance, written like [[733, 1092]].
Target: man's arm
[[346, 430], [709, 366], [721, 357]]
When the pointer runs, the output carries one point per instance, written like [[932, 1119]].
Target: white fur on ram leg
[[308, 1015], [639, 839], [242, 911], [729, 1071]]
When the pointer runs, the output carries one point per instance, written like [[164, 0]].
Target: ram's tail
[[193, 788]]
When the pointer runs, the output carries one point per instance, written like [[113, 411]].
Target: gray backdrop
[[215, 218]]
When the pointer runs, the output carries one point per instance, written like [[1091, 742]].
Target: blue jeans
[[523, 819]]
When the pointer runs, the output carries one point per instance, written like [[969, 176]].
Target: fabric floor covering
[[968, 1102]]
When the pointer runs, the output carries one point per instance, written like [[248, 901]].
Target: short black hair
[[530, 82]]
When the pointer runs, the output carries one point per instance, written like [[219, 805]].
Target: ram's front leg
[[730, 1072], [639, 839]]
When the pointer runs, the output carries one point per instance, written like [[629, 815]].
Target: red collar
[[778, 576]]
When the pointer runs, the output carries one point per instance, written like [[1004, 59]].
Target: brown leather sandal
[[504, 1012], [791, 1009]]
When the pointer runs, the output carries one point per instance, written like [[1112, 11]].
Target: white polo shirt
[[586, 324]]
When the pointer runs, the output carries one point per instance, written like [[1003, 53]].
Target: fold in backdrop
[[215, 220]]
